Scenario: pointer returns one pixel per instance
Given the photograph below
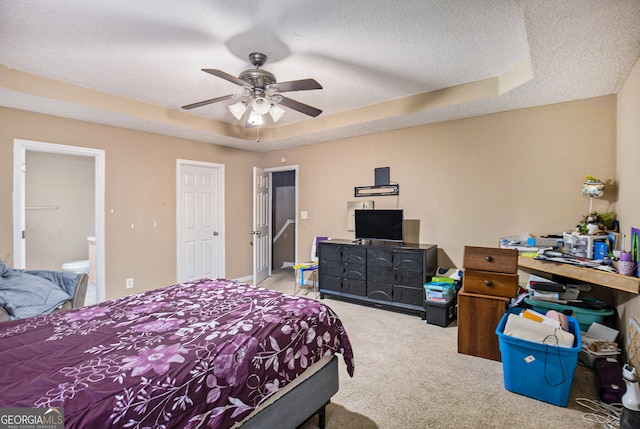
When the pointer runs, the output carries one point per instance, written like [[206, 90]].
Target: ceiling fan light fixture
[[238, 109], [261, 106], [276, 112], [255, 119], [260, 94]]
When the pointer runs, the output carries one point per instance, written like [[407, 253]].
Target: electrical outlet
[[129, 283]]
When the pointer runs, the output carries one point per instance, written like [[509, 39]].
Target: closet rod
[[42, 207]]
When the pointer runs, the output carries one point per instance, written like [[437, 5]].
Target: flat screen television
[[384, 225]]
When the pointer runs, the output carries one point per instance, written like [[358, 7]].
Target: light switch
[[303, 215]]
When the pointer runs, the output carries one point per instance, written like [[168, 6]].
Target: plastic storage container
[[585, 316], [440, 292], [440, 313], [581, 246], [539, 371]]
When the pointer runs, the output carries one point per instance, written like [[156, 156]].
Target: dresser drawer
[[488, 283], [491, 259]]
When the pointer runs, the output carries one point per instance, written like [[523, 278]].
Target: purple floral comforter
[[194, 355]]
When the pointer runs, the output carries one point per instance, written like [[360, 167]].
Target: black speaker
[[382, 176]]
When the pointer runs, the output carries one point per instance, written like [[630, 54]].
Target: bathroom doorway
[[59, 209]]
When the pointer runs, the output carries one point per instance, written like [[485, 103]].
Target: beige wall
[[629, 174], [140, 190], [471, 181]]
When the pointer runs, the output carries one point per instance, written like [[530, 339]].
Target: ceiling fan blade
[[297, 85], [226, 76], [300, 107], [205, 102]]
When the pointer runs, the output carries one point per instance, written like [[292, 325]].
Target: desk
[[587, 275]]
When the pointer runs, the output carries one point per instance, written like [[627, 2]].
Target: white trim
[[20, 148], [282, 229], [245, 279], [221, 209]]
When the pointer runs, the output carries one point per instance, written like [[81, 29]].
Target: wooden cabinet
[[385, 275], [478, 317], [489, 280]]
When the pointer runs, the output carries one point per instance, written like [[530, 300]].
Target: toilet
[[82, 266], [78, 267]]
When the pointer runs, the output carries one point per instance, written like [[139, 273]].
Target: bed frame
[[301, 403]]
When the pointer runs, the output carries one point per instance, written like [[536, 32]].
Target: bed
[[212, 353]]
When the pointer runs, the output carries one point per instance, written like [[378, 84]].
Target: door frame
[[20, 148], [294, 168], [180, 163]]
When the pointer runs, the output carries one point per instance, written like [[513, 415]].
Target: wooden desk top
[[587, 275]]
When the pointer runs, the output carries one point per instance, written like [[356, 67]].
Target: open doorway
[[283, 225], [275, 211], [58, 209]]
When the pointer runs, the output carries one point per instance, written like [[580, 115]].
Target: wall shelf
[[587, 275], [376, 191]]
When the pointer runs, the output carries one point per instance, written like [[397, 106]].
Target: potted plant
[[596, 223]]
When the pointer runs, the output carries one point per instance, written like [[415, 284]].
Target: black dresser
[[382, 274]]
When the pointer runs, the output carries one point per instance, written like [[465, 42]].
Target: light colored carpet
[[410, 375]]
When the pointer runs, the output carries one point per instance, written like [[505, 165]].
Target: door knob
[[215, 233]]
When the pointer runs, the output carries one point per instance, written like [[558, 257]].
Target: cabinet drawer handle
[[489, 259], [488, 283]]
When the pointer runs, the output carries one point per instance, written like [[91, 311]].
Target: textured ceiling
[[134, 63]]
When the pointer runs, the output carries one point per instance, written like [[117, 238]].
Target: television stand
[[388, 275]]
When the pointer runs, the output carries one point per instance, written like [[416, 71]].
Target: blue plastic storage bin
[[539, 371]]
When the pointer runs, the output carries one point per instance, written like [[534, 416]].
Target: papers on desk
[[527, 243], [518, 242], [587, 263]]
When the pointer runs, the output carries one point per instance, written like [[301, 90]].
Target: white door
[[261, 222], [200, 221]]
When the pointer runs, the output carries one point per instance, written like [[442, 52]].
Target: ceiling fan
[[262, 94]]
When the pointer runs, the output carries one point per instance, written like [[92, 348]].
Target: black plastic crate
[[440, 313]]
